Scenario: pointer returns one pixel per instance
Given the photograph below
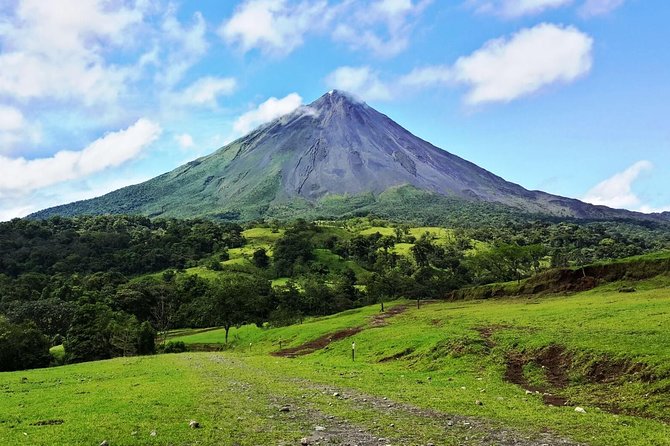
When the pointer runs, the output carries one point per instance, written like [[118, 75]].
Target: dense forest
[[108, 286]]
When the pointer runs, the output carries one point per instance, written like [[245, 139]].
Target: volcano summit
[[332, 157]]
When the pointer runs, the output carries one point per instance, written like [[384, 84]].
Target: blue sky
[[567, 96]]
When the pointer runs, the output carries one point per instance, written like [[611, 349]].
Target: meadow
[[439, 374]]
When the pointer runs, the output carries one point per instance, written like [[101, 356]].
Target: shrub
[[215, 266], [175, 347], [146, 339], [224, 255]]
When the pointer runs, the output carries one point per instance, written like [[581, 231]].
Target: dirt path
[[322, 342], [324, 414], [471, 430]]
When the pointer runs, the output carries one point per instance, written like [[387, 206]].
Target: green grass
[[262, 235], [335, 263], [112, 399], [374, 229]]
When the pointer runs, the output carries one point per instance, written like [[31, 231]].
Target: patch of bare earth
[[323, 342], [317, 344], [555, 361]]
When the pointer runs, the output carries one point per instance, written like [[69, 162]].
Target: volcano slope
[[336, 156], [439, 375]]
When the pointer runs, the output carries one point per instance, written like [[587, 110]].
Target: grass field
[[414, 374], [240, 259]]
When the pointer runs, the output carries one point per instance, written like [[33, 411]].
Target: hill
[[503, 372], [333, 157]]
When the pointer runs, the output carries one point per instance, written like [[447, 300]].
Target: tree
[[289, 303], [146, 339], [260, 258], [422, 251], [124, 330], [229, 300], [163, 314], [22, 346], [294, 247], [89, 337], [386, 285]]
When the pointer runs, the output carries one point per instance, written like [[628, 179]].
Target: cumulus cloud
[[428, 76], [273, 26], [277, 27], [14, 128], [361, 28], [505, 69], [206, 90], [616, 191], [11, 119], [361, 81], [516, 8], [511, 9], [20, 175], [56, 49], [592, 8], [185, 141], [186, 45], [267, 111]]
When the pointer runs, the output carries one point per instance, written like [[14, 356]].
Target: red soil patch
[[317, 344], [553, 359], [380, 319], [323, 342]]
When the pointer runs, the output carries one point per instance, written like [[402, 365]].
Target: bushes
[[97, 332], [174, 347], [146, 339], [22, 347]]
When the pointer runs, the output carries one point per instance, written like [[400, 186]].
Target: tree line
[[115, 285]]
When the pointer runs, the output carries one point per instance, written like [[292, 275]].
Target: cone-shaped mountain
[[336, 148]]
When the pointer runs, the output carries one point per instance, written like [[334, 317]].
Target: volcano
[[335, 156]]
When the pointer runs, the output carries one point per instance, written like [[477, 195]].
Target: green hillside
[[439, 374]]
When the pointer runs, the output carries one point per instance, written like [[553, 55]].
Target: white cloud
[[273, 26], [277, 27], [502, 70], [11, 119], [186, 45], [185, 141], [647, 209], [616, 191], [516, 8], [56, 49], [360, 27], [361, 81], [592, 8], [14, 128], [206, 90], [19, 175], [267, 111], [428, 76], [506, 69], [7, 214]]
